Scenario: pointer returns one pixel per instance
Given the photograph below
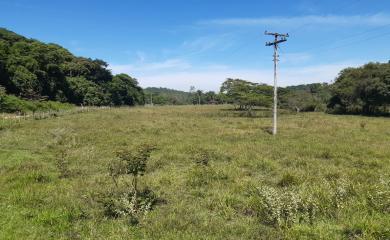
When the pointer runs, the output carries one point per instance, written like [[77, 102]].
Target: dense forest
[[166, 96], [363, 90], [32, 70]]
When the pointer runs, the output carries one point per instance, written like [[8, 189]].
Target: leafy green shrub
[[124, 202], [13, 104], [132, 163]]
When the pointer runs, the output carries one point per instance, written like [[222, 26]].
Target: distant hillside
[[34, 70], [306, 97], [166, 96]]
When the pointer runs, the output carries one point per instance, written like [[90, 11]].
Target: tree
[[307, 97], [124, 90], [199, 94], [25, 82], [131, 163], [165, 96], [363, 90], [246, 94]]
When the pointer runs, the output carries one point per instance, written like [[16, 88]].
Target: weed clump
[[326, 155], [128, 204], [202, 173], [280, 208], [379, 197], [288, 180], [202, 158], [200, 176], [285, 207], [63, 144]]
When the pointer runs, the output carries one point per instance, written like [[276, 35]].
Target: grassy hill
[[213, 175]]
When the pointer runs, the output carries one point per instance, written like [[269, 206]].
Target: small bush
[[130, 163], [124, 202]]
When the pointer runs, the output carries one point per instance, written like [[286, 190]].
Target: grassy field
[[215, 175]]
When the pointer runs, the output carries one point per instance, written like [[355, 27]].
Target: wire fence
[[9, 120]]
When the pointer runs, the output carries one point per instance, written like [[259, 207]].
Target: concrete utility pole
[[151, 99], [279, 38]]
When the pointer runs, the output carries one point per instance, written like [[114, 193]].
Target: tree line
[[363, 90], [32, 71]]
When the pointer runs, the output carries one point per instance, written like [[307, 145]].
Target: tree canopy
[[245, 94], [34, 70], [362, 90]]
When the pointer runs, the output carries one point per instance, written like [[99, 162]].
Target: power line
[[312, 22], [353, 36], [359, 41]]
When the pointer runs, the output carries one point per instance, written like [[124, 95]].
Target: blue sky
[[179, 43]]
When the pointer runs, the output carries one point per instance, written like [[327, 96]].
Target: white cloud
[[142, 66], [338, 20], [141, 56], [295, 58], [204, 43]]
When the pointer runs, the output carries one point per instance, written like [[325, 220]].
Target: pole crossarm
[[276, 34], [279, 38], [275, 43]]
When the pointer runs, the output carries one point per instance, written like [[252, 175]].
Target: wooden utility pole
[[279, 38]]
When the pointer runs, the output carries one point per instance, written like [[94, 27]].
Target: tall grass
[[217, 175]]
